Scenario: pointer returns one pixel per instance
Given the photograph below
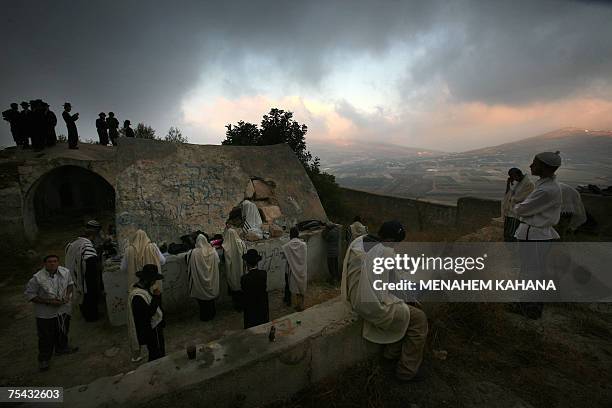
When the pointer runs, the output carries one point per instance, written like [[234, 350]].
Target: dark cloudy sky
[[448, 75]]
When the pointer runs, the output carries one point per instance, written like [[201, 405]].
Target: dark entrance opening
[[69, 195]]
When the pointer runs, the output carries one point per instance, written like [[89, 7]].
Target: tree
[[175, 136], [243, 134], [278, 126], [143, 131]]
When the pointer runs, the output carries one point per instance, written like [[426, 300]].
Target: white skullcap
[[550, 158]]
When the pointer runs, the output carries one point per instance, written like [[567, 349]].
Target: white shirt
[[46, 286], [540, 211]]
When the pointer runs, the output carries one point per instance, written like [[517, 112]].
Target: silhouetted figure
[[113, 128], [39, 125], [129, 132], [50, 122], [73, 134], [12, 117], [25, 124], [102, 128]]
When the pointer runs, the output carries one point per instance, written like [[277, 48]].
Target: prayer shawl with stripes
[[251, 218], [131, 325], [203, 270], [77, 252]]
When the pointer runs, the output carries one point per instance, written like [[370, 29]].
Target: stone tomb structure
[[167, 190]]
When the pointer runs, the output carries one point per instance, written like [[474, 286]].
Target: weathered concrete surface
[[176, 283], [244, 368], [169, 189], [164, 188]]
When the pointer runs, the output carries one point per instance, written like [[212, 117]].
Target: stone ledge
[[244, 367]]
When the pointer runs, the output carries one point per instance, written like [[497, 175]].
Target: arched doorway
[[65, 198]]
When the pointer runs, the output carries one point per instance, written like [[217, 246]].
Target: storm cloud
[[147, 61]]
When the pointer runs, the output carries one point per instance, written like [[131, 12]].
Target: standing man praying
[[296, 278], [70, 119], [255, 289], [538, 213], [518, 187], [50, 289]]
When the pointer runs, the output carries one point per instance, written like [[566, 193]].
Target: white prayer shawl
[[251, 218], [77, 252], [357, 230], [131, 325], [233, 249], [385, 316], [140, 252], [516, 194], [571, 203], [540, 211], [296, 253], [203, 269]]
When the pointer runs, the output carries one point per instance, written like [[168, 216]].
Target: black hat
[[93, 225], [393, 230], [67, 104], [252, 257], [24, 103], [101, 114], [150, 272]]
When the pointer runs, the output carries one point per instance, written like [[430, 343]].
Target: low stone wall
[[242, 369], [468, 215], [176, 284]]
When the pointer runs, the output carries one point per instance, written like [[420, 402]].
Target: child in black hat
[[255, 291]]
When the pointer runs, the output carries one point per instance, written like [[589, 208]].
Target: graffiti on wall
[[168, 200]]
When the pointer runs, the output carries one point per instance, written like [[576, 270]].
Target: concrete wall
[[468, 215], [169, 190], [243, 369], [175, 284]]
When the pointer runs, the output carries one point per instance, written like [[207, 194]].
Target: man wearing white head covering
[[140, 252], [538, 213], [356, 229], [233, 249], [296, 274], [203, 270], [387, 320], [251, 219]]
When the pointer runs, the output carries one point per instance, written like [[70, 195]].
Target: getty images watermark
[[492, 272]]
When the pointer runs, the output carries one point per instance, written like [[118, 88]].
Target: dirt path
[[103, 349]]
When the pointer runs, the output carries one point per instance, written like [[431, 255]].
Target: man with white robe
[[140, 252], [82, 261], [296, 253], [203, 270], [233, 249], [573, 213], [251, 220], [518, 187], [387, 320], [356, 229], [538, 213]]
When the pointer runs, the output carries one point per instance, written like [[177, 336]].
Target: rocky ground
[[483, 356]]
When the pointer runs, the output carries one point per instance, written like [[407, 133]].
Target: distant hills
[[444, 177], [581, 145]]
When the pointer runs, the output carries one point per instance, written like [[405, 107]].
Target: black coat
[[255, 298]]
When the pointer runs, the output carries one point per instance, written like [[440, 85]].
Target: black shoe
[[43, 365]]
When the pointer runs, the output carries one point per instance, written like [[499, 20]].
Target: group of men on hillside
[[34, 125], [532, 211]]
